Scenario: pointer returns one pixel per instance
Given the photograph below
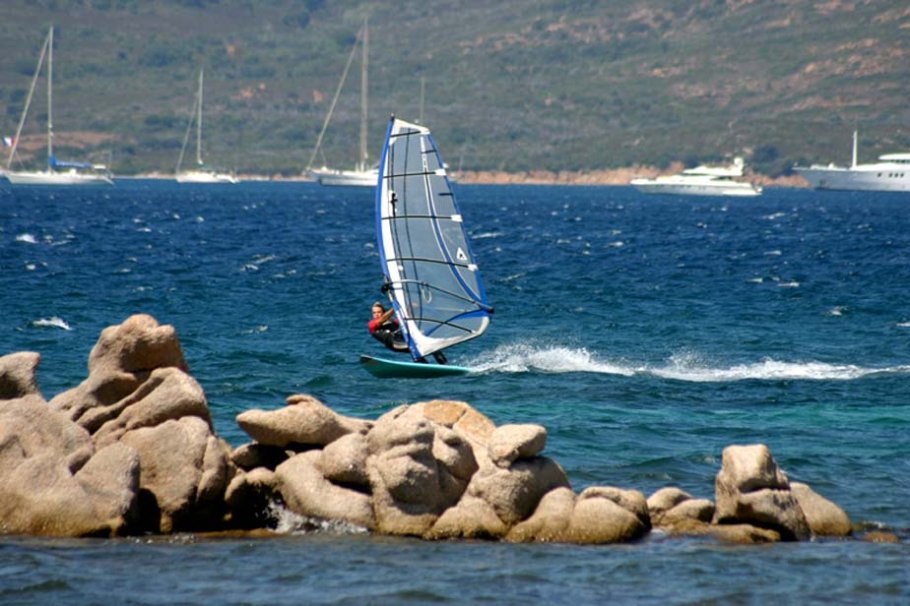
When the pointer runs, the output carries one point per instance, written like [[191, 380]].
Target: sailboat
[[58, 172], [362, 175], [200, 174], [430, 273]]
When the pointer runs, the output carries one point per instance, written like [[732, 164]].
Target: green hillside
[[510, 85]]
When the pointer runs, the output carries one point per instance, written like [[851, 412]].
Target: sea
[[646, 333]]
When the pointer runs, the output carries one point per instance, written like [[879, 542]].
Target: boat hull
[[740, 189], [394, 369], [56, 178], [346, 178], [199, 177], [857, 179]]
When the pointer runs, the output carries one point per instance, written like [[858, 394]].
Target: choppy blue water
[[645, 333]]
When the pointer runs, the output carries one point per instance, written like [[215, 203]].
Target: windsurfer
[[385, 328]]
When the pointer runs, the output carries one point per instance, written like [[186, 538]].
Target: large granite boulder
[[18, 375], [597, 515], [184, 474], [751, 489], [824, 517], [119, 363], [304, 421], [54, 483], [671, 509]]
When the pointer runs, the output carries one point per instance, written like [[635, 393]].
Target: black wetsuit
[[389, 334]]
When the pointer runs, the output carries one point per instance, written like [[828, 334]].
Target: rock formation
[[132, 450]]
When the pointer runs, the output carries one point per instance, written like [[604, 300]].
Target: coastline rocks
[[305, 420], [751, 489], [597, 515], [17, 375], [132, 450], [53, 483], [824, 517]]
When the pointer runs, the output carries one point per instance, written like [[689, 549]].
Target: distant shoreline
[[619, 176]]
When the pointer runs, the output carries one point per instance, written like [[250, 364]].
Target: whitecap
[[693, 368], [27, 238], [52, 322], [524, 357]]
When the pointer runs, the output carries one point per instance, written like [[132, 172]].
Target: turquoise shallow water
[[645, 333]]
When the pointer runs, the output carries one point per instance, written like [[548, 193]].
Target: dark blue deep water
[[645, 333]]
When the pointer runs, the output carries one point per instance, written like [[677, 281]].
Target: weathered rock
[[168, 394], [514, 493], [110, 480], [550, 519], [751, 489], [184, 472], [250, 497], [40, 496], [511, 442], [409, 489], [138, 345], [100, 390], [18, 375], [53, 483], [472, 426], [671, 507], [307, 492], [344, 461], [471, 518], [598, 515], [824, 517], [252, 455], [305, 420], [29, 426], [878, 536]]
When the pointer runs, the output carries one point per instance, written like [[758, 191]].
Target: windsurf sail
[[432, 278]]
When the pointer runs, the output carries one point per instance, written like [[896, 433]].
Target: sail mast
[[363, 97], [28, 102], [199, 123], [50, 100], [853, 164]]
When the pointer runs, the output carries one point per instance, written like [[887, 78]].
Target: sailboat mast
[[199, 123], [28, 102], [50, 99], [363, 96], [853, 164]]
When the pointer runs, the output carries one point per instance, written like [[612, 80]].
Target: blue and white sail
[[433, 280]]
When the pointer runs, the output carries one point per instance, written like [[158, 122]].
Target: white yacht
[[701, 181], [361, 175], [200, 173], [58, 172], [890, 173]]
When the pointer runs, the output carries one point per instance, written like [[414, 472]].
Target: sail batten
[[434, 282]]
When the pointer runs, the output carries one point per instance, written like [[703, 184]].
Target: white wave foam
[[690, 368], [524, 357], [684, 366], [291, 522], [52, 322], [27, 238]]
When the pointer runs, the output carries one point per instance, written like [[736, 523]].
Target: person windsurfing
[[387, 331]]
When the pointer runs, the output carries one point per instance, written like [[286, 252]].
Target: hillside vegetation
[[511, 85]]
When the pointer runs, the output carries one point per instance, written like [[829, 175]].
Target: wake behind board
[[395, 369]]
